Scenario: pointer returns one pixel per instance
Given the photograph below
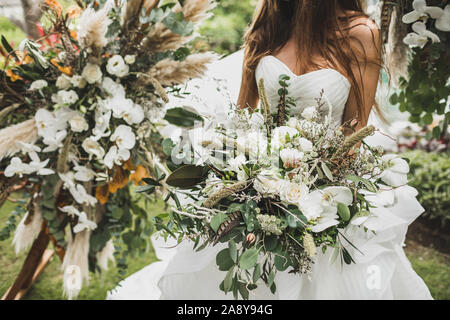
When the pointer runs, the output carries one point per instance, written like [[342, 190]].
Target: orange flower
[[128, 165], [119, 180], [14, 77], [55, 6], [139, 174], [65, 70], [74, 34], [73, 11], [102, 193], [27, 59]]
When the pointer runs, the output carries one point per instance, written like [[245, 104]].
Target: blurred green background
[[427, 244]]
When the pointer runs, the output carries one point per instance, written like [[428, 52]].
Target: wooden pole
[[36, 260]]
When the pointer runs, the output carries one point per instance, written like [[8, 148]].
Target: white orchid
[[320, 206], [396, 173], [54, 141], [130, 59], [253, 143], [443, 22], [116, 156], [113, 88], [83, 174], [45, 122], [28, 147], [39, 166], [83, 221], [101, 125], [16, 166], [304, 144], [124, 137], [235, 164], [81, 196], [68, 179], [422, 12], [420, 36], [93, 148]]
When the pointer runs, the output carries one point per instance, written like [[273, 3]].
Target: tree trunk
[[32, 15]]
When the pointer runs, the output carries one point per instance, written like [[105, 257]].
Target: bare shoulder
[[367, 35]]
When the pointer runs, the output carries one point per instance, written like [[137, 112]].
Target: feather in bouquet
[[276, 188], [79, 110]]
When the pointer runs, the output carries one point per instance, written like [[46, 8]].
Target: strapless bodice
[[306, 88]]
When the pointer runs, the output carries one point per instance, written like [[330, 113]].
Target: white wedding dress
[[381, 271]]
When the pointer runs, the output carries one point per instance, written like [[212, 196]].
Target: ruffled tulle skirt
[[381, 271]]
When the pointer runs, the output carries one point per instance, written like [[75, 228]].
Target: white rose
[[92, 73], [78, 81], [130, 59], [93, 148], [63, 82], [309, 113], [267, 183], [38, 85], [291, 157], [117, 66], [292, 192], [78, 123]]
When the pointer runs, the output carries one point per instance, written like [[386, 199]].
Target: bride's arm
[[368, 45]]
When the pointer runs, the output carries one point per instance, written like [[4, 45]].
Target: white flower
[[39, 167], [92, 73], [304, 144], [38, 85], [78, 81], [396, 172], [281, 135], [28, 147], [16, 166], [81, 196], [130, 59], [321, 206], [117, 66], [443, 23], [291, 157], [116, 156], [421, 12], [78, 123], [267, 183], [64, 97], [83, 174], [101, 125], [63, 82], [92, 147], [68, 180], [254, 143], [54, 141], [134, 115], [293, 123], [256, 120], [113, 88], [45, 122], [419, 37], [235, 164], [124, 137], [292, 192], [83, 221], [309, 113]]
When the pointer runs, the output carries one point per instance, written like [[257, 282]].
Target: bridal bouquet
[[79, 110], [276, 188]]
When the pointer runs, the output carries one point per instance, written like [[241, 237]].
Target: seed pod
[[309, 245]]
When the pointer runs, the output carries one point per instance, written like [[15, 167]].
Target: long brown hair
[[315, 24]]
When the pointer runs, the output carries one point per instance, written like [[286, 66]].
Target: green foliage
[[430, 175], [223, 33], [425, 93]]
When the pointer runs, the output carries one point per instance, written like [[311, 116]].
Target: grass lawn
[[431, 265]]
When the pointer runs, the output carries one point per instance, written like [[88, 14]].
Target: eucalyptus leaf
[[248, 259], [186, 176]]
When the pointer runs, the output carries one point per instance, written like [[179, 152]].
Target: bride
[[322, 45]]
